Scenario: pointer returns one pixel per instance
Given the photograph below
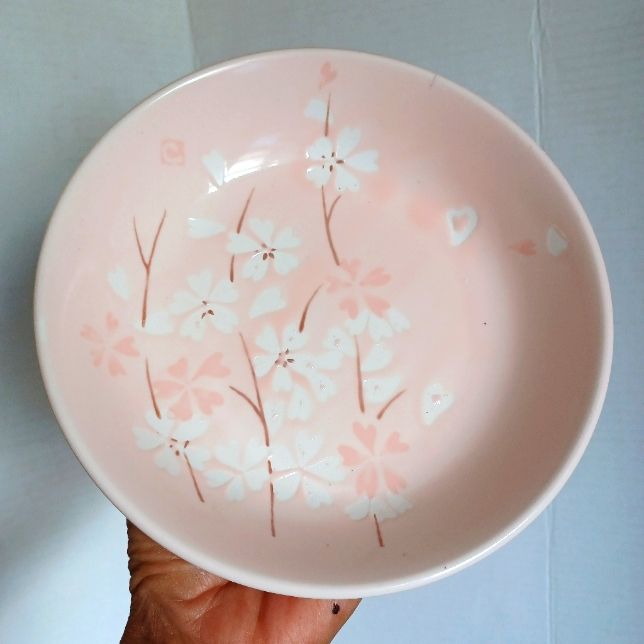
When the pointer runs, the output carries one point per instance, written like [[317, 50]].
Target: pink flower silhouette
[[366, 308], [108, 349], [184, 388], [373, 475]]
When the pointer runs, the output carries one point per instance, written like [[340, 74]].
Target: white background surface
[[570, 72]]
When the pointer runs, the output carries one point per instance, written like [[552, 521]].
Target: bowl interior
[[322, 323]]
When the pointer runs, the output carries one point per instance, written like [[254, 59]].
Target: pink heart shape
[[375, 277], [525, 247], [212, 367], [179, 369], [350, 456], [366, 435], [394, 482], [328, 74], [126, 347], [394, 444], [350, 305], [206, 400]]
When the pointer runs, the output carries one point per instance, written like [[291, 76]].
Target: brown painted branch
[[194, 478], [151, 388], [381, 543], [327, 228], [359, 375], [240, 223], [328, 114], [332, 208], [392, 400], [306, 308], [248, 400]]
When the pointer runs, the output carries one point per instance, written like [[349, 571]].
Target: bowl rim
[[283, 585]]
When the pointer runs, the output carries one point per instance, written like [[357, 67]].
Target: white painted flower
[[268, 301], [240, 469], [172, 442], [287, 362], [383, 506], [337, 159], [315, 476], [378, 326], [215, 164], [204, 305], [264, 247]]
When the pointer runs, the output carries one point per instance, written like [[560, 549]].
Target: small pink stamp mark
[[524, 247], [327, 74], [173, 152]]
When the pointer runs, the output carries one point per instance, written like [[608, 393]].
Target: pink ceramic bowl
[[323, 323]]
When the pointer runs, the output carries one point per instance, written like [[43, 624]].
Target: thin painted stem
[[194, 478], [327, 226], [381, 413], [147, 263], [151, 388], [327, 115], [332, 208], [359, 375], [240, 223], [381, 543], [306, 308], [258, 408]]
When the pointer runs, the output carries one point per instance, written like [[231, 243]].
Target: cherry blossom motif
[[204, 304], [108, 348], [378, 486], [265, 247], [366, 310], [336, 159], [172, 442], [241, 468], [185, 388], [315, 476], [287, 362]]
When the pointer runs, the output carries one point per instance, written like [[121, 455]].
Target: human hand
[[173, 601]]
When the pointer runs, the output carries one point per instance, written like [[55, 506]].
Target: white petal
[[263, 364], [348, 140], [285, 487], [282, 459], [379, 328], [268, 341], [274, 410], [201, 228], [255, 452], [397, 320], [255, 267], [256, 478], [357, 325], [168, 461], [229, 455], [193, 327], [118, 280], [378, 358], [224, 319], [215, 165], [320, 150], [197, 457], [292, 339], [461, 223], [182, 302], [201, 283], [157, 323], [364, 161], [340, 341], [556, 242], [300, 406], [235, 490], [145, 439], [263, 228], [224, 292], [268, 301], [344, 180], [316, 109], [282, 380], [238, 244], [162, 426], [217, 477], [436, 401], [329, 468], [382, 510], [307, 445], [330, 360], [191, 429], [316, 494], [399, 503], [285, 262], [359, 509], [285, 239], [322, 385], [379, 390], [319, 175]]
